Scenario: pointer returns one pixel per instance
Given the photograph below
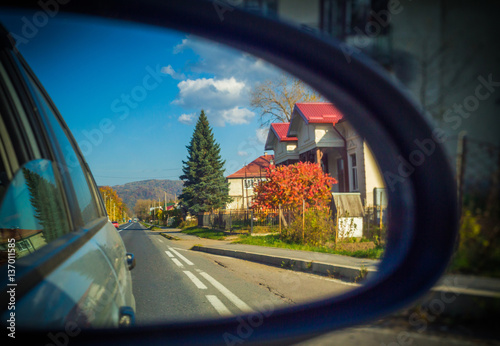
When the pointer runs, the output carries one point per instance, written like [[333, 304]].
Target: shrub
[[479, 246], [318, 228], [290, 185]]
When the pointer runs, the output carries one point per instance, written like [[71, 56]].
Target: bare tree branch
[[275, 99]]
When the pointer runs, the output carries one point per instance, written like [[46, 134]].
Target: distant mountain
[[148, 189]]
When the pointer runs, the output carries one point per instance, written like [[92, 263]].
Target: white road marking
[[179, 264], [188, 262], [169, 254], [124, 228], [161, 241], [229, 295], [195, 280], [218, 305]]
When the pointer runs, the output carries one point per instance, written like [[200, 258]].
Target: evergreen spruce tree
[[46, 200], [205, 188]]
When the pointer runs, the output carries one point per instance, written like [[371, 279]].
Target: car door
[[69, 264]]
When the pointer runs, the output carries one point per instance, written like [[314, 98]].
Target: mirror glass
[[238, 188]]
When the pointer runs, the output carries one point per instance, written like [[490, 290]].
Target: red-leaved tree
[[290, 185]]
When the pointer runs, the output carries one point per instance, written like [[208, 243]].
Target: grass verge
[[169, 237], [204, 233], [275, 241]]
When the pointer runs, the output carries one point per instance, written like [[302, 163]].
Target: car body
[[61, 257], [116, 224]]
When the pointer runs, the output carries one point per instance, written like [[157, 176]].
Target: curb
[[343, 272], [169, 237], [447, 297]]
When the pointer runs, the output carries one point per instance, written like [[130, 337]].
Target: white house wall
[[235, 192], [285, 151], [326, 136], [373, 176], [305, 136], [350, 227]]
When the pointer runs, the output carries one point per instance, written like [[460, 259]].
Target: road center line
[[218, 305], [161, 241], [229, 295], [195, 280], [188, 262], [169, 254], [179, 264]]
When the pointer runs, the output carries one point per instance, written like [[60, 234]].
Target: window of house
[[354, 172]]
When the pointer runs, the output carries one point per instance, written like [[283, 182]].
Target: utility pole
[[245, 185]]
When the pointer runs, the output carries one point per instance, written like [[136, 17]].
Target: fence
[[247, 219], [268, 221], [375, 222]]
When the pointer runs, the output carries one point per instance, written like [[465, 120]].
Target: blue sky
[[131, 94]]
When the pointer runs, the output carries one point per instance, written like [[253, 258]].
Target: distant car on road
[[115, 223]]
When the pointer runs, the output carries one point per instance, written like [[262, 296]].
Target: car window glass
[[32, 212], [72, 163]]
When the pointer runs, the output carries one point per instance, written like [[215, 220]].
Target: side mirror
[[130, 260], [423, 209]]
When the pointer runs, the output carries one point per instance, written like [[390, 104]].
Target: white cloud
[[223, 100], [261, 135], [187, 119], [170, 71], [237, 116], [181, 46], [211, 92], [242, 153], [224, 62], [220, 81]]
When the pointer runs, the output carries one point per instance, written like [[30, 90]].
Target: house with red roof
[[285, 147], [242, 182], [318, 132]]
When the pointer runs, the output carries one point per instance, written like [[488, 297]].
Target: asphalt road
[[171, 283]]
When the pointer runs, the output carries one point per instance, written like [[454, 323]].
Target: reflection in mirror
[[32, 211], [276, 201]]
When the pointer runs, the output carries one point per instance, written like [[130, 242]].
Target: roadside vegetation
[[205, 233], [478, 251], [275, 240]]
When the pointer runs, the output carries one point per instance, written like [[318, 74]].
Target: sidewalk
[[454, 294]]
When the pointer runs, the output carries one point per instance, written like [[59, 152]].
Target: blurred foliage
[[318, 228], [116, 208], [478, 251]]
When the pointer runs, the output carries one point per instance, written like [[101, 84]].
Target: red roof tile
[[281, 130], [319, 112], [256, 168]]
